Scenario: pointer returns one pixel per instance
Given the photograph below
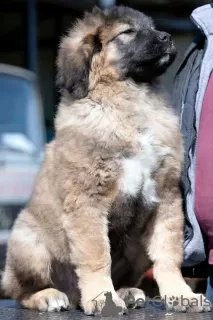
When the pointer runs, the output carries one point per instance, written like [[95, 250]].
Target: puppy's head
[[121, 41]]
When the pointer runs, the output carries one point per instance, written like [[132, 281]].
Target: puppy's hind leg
[[27, 271], [133, 297], [45, 300], [138, 262]]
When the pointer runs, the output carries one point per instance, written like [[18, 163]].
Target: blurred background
[[29, 36]]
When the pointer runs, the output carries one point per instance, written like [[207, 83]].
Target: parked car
[[21, 141]]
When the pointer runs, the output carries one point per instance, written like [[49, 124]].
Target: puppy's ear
[[75, 55]]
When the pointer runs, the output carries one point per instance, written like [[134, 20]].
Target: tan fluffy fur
[[81, 234]]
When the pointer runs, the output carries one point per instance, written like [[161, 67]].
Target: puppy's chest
[[137, 170]]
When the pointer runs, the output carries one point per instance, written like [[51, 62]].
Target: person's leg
[[209, 290]]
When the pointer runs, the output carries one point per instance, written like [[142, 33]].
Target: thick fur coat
[[106, 204]]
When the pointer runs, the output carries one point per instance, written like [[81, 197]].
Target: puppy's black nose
[[164, 37]]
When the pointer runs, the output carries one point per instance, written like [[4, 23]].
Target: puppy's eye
[[128, 31]]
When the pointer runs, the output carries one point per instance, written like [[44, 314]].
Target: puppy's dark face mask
[[119, 42], [144, 52]]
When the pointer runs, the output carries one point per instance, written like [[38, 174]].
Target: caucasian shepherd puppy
[[106, 204]]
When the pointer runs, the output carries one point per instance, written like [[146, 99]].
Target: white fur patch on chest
[[131, 178], [137, 171]]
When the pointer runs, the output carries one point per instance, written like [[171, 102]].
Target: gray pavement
[[9, 310]]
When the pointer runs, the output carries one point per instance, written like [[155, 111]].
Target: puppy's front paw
[[187, 303], [106, 304]]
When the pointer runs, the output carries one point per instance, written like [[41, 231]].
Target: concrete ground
[[9, 310]]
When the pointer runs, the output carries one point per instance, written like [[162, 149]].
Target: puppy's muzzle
[[164, 37]]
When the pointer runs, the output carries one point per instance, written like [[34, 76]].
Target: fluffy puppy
[[106, 204]]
